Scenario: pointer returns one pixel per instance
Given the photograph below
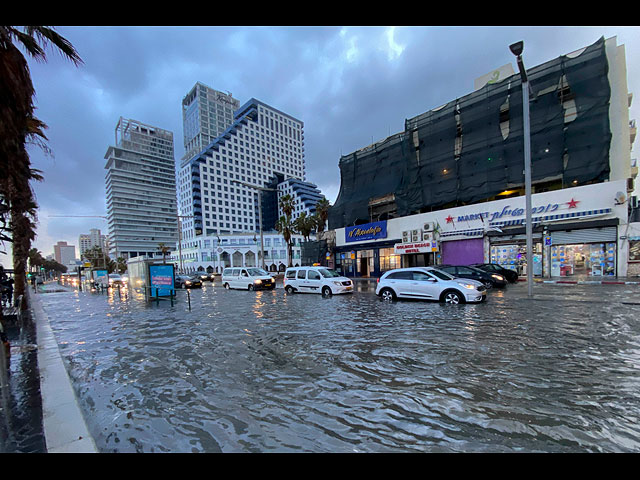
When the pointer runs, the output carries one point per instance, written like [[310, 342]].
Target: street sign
[[547, 241]]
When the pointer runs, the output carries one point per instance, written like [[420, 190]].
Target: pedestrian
[[7, 290]]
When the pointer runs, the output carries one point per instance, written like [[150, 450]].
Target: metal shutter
[[585, 235]]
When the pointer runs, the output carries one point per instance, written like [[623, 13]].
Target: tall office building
[[219, 187], [93, 239], [206, 113], [141, 190]]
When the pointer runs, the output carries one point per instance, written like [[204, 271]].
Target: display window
[[514, 257], [594, 259]]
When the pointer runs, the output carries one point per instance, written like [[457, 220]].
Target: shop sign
[[368, 231], [418, 247], [507, 211]]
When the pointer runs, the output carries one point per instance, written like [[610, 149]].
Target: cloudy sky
[[350, 86]]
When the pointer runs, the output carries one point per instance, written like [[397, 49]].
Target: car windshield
[[441, 275], [326, 273], [256, 271]]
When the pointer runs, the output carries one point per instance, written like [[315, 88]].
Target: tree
[[18, 128], [164, 250], [285, 226], [322, 214], [304, 225], [97, 257]]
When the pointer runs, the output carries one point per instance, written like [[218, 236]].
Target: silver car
[[428, 283]]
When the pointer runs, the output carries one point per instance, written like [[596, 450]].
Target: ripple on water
[[267, 371]]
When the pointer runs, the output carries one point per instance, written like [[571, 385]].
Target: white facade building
[[219, 189], [206, 114], [141, 190], [93, 239]]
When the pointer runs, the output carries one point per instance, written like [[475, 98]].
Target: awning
[[553, 218]]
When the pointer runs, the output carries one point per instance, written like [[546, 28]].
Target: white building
[[206, 114], [92, 239], [222, 189], [141, 190]]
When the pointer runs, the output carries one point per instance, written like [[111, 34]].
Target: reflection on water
[[266, 371]]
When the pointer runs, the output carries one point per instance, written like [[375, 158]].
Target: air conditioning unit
[[427, 236], [428, 227], [415, 235], [406, 237]]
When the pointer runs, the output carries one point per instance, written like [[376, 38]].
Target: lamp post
[[260, 190], [516, 49]]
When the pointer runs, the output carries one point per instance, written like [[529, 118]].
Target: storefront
[[576, 231]]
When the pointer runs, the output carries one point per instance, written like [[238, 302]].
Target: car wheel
[[251, 288], [289, 289], [452, 297], [226, 285], [326, 291], [387, 294]]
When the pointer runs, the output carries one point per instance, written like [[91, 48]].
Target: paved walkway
[[64, 425]]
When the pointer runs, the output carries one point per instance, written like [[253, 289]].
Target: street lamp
[[260, 190], [517, 49]]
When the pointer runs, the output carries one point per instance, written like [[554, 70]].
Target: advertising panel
[[101, 277], [161, 280]]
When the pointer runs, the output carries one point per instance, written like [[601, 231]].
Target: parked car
[[490, 280], [316, 280], [115, 279], [188, 281], [510, 275], [428, 283], [249, 278], [204, 276]]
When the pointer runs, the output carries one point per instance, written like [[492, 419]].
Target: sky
[[351, 86]]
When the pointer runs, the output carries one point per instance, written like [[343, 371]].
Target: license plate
[[349, 288]]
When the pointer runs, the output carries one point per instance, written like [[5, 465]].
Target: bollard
[[189, 298]]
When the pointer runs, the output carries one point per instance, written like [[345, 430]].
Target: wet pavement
[[270, 372], [20, 403]]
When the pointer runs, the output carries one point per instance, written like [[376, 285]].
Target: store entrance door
[[586, 259]]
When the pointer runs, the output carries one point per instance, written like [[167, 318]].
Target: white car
[[115, 279], [248, 278], [316, 280], [428, 283]]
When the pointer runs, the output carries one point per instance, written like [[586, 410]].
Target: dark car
[[204, 276], [462, 271], [187, 281], [510, 275]]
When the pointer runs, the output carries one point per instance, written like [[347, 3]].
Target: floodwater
[[271, 372]]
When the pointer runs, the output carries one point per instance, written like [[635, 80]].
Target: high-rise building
[[64, 254], [219, 187], [206, 114], [141, 190], [93, 239]]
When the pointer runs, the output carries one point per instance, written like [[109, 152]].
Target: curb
[[584, 282], [65, 429]]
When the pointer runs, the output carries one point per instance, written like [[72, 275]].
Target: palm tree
[[322, 214], [18, 127], [285, 226], [164, 250], [304, 225]]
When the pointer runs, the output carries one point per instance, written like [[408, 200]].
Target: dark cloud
[[350, 87]]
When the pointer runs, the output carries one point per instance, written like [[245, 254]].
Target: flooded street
[[271, 372]]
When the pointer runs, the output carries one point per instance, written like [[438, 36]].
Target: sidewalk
[[64, 425], [577, 280]]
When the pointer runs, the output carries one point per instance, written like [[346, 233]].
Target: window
[[301, 274], [421, 276], [313, 275], [400, 276], [291, 274]]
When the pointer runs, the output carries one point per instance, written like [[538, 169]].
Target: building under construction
[[470, 150]]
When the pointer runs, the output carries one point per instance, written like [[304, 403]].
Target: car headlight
[[337, 283], [187, 282], [272, 279], [498, 277], [258, 281], [467, 285]]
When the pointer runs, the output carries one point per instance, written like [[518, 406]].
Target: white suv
[[429, 283], [316, 280]]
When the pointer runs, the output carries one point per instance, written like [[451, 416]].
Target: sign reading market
[[368, 231]]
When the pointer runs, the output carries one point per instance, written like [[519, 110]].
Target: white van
[[247, 278], [316, 280]]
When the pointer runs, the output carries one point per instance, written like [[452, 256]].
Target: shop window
[[634, 250]]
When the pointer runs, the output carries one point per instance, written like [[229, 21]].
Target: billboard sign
[[161, 280]]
